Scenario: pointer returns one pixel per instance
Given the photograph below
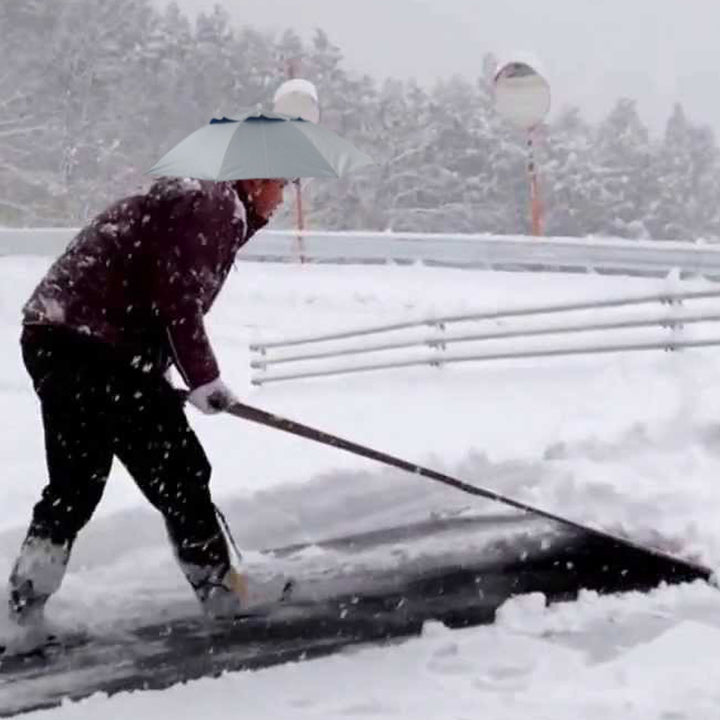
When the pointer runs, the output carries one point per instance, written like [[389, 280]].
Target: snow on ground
[[524, 666], [630, 443]]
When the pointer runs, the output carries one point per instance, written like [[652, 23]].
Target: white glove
[[213, 397]]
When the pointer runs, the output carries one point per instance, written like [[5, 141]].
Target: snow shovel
[[685, 568]]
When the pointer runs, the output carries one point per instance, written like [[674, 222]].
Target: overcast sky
[[593, 51]]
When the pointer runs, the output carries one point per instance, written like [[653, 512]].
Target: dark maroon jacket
[[143, 273]]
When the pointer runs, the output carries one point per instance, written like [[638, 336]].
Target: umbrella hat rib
[[236, 124], [245, 157], [212, 137], [265, 146], [335, 149], [296, 144]]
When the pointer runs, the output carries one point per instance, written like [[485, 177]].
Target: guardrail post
[[676, 327]]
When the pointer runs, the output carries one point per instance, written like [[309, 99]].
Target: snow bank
[[630, 443]]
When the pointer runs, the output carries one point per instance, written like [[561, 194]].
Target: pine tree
[[688, 172], [25, 26], [92, 92], [623, 159], [570, 181], [347, 104]]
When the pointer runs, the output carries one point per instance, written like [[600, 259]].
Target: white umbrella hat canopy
[[260, 145]]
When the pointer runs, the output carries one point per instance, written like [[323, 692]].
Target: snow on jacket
[[142, 275]]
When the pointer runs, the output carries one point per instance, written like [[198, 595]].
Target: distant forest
[[92, 92]]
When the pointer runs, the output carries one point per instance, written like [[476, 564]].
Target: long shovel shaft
[[263, 417]]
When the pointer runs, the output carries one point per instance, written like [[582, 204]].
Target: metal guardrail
[[43, 242], [494, 252], [305, 362], [452, 250], [653, 258]]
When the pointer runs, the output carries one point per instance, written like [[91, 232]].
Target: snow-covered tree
[[687, 168], [570, 179], [622, 164], [92, 92], [25, 26]]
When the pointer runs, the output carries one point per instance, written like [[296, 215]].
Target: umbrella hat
[[261, 145]]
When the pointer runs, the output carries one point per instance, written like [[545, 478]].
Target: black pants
[[96, 404]]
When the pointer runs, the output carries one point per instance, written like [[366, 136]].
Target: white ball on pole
[[298, 98]]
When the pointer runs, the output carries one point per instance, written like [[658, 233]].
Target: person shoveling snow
[[125, 302]]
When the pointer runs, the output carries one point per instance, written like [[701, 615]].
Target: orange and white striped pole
[[299, 218], [536, 210], [298, 98], [522, 96]]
